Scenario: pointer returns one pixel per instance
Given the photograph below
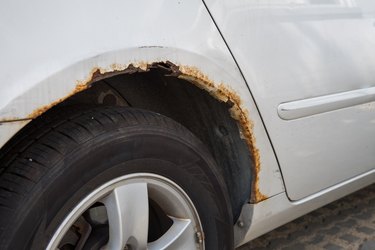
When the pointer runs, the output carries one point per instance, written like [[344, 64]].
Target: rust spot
[[196, 77]]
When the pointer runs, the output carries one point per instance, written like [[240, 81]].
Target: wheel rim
[[126, 201]]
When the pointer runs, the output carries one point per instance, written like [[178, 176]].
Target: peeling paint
[[220, 92]]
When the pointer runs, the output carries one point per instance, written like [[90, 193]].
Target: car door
[[310, 67]]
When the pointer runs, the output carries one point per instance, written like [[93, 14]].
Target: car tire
[[87, 179]]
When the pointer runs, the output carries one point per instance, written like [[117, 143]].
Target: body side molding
[[307, 107]]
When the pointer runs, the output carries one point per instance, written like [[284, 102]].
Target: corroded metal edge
[[219, 91]]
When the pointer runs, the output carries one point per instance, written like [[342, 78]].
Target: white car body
[[303, 70]]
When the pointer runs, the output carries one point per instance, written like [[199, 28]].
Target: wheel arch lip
[[38, 95]]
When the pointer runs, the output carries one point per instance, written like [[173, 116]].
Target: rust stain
[[219, 91]]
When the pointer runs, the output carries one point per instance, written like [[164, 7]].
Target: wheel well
[[208, 118]]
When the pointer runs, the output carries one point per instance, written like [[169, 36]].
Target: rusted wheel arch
[[211, 111]]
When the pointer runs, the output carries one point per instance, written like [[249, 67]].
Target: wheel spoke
[[127, 210], [179, 236]]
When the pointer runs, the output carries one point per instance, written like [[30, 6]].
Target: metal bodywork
[[51, 51]]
